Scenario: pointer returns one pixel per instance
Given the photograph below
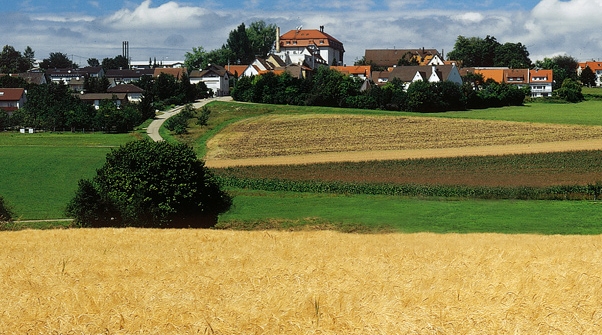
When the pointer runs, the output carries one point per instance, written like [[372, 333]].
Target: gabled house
[[541, 82], [215, 77], [516, 76], [410, 74], [37, 78], [96, 98], [596, 67], [359, 71], [77, 84], [391, 57], [133, 92], [118, 77], [177, 72], [276, 65], [66, 75], [236, 70], [93, 71], [312, 41], [12, 99]]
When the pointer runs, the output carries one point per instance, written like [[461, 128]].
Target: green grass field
[[40, 171], [40, 174], [365, 213]]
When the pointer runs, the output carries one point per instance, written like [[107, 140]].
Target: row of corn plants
[[560, 192]]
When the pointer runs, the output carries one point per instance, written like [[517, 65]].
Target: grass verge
[[366, 213]]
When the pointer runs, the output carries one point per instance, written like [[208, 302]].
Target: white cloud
[[169, 15], [469, 18], [564, 27], [63, 18]]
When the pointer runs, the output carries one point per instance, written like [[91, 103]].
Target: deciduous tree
[[569, 91], [262, 37], [240, 45], [11, 61], [118, 62], [57, 60], [93, 62], [588, 77], [564, 66], [150, 184]]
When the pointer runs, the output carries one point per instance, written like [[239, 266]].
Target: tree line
[[328, 87], [244, 44], [53, 106]]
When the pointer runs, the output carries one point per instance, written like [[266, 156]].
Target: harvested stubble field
[[298, 139], [124, 281]]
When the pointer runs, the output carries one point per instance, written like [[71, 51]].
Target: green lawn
[[40, 174], [40, 171], [584, 113], [377, 213]]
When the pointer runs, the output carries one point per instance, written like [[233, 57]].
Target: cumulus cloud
[[469, 18], [168, 15], [565, 27]]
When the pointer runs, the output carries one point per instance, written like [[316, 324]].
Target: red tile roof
[[303, 38], [125, 88], [11, 94], [176, 72], [354, 70], [236, 70]]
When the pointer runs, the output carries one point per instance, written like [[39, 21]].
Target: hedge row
[[561, 192]]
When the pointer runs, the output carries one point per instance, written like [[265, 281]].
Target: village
[[298, 52]]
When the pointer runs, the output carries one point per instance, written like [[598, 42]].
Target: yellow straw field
[[286, 135], [137, 281]]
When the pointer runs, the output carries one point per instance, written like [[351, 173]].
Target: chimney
[[277, 39], [321, 29]]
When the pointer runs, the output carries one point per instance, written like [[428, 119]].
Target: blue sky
[[168, 29]]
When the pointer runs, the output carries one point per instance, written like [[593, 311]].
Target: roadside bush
[[204, 117], [4, 120], [570, 91], [6, 213], [179, 122], [150, 184]]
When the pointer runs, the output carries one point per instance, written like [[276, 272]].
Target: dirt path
[[592, 144], [153, 128]]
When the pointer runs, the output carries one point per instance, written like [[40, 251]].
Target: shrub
[[6, 213], [150, 184], [204, 117], [179, 122]]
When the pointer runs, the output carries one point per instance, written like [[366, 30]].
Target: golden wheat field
[[143, 281], [282, 135]]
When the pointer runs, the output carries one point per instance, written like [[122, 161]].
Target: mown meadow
[[40, 171], [39, 188]]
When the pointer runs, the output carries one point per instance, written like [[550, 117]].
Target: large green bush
[[150, 184]]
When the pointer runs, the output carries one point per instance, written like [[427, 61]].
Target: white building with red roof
[[313, 41]]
